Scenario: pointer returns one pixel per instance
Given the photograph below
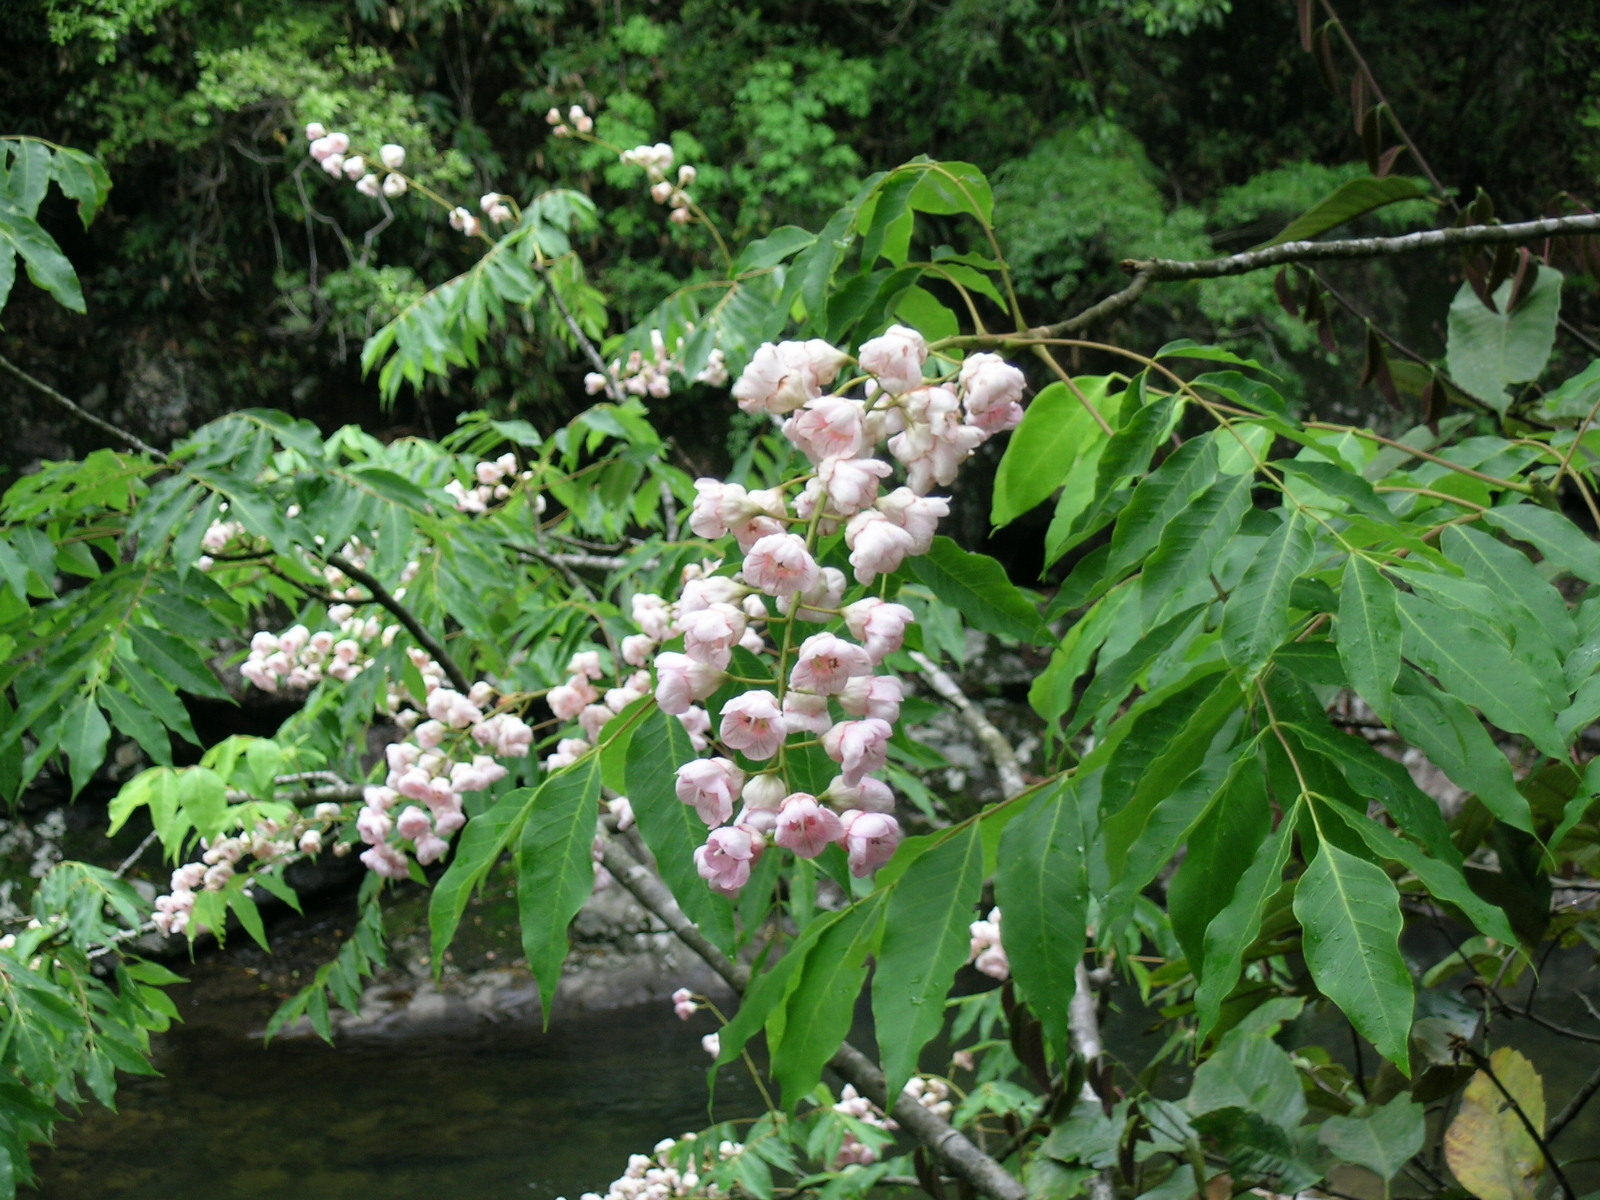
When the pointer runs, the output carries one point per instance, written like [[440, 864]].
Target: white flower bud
[[355, 167], [367, 185], [340, 142], [553, 117], [499, 214], [686, 175], [393, 156], [488, 200], [316, 130], [680, 216], [334, 165], [394, 185]]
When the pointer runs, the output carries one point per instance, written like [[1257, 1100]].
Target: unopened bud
[[680, 216], [553, 117], [686, 175], [393, 156], [355, 167], [394, 185], [367, 185], [316, 130], [488, 200]]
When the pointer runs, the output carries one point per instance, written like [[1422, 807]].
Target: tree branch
[[44, 389], [403, 614], [1000, 750], [960, 1154]]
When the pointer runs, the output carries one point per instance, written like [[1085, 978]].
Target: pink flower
[[651, 614], [990, 382], [708, 590], [710, 634], [431, 848], [873, 696], [806, 712], [780, 565], [896, 359], [827, 427], [782, 377], [818, 603], [637, 648], [870, 795], [997, 420], [918, 515], [697, 724], [753, 723], [870, 839], [454, 709], [877, 545], [805, 827], [593, 719], [586, 663], [827, 662], [680, 681], [725, 860], [709, 785], [764, 793], [414, 823], [852, 483], [859, 747], [683, 1004], [374, 826], [385, 860], [878, 625], [724, 508]]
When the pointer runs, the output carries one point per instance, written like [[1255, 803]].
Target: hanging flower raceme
[[827, 695]]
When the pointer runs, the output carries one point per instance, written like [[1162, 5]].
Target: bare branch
[[403, 614], [960, 1154], [44, 389], [995, 742]]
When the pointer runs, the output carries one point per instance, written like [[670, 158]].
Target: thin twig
[[403, 614], [139, 850], [1574, 1106], [44, 389]]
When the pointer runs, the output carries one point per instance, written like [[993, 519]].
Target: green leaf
[[1345, 488], [1041, 886], [821, 1005], [476, 850], [156, 698], [781, 243], [953, 187], [1222, 846], [1444, 881], [1234, 928], [925, 938], [1450, 734], [671, 828], [767, 993], [1469, 659], [1349, 912], [24, 181], [204, 800], [1352, 200], [81, 177], [249, 916], [1047, 448], [555, 869], [1486, 350], [1369, 633], [976, 586], [1191, 544], [1252, 1072], [1255, 621], [175, 660], [47, 266], [84, 734], [1561, 542], [1160, 497], [1113, 681], [1127, 453]]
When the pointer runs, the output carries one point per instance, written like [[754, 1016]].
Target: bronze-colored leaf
[[1487, 1145]]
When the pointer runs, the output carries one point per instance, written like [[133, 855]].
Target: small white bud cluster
[[331, 150], [670, 191], [297, 658], [580, 122], [988, 954], [675, 1170], [268, 842], [639, 375], [496, 477]]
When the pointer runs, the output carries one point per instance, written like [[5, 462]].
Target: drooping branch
[[404, 615], [55, 397], [960, 1153], [1163, 270]]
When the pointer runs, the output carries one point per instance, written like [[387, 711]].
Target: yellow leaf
[[1487, 1145]]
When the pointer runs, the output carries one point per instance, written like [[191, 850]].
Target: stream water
[[492, 1112], [507, 1112]]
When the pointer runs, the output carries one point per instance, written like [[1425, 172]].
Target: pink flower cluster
[[581, 699], [827, 689], [988, 954], [582, 122], [656, 161], [435, 767], [332, 151], [495, 479], [268, 842], [638, 375]]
